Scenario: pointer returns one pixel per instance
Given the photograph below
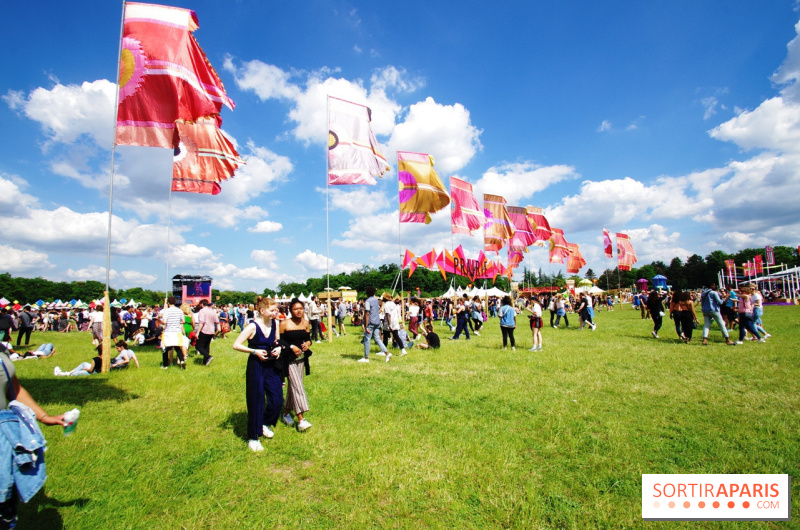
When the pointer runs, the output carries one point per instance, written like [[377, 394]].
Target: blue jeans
[[746, 322], [708, 316], [373, 331], [461, 325]]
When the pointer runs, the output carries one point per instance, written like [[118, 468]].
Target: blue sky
[[676, 122]]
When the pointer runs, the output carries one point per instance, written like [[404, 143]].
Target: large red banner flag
[[626, 256], [607, 247], [421, 190], [758, 264], [163, 76], [466, 216], [204, 157], [354, 156], [523, 231], [730, 265], [558, 246], [499, 227], [575, 260], [541, 227]]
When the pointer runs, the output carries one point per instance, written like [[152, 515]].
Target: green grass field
[[467, 437]]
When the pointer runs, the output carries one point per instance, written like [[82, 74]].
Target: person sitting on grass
[[95, 365], [431, 338], [44, 350]]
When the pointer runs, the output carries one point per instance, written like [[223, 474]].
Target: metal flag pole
[[106, 348], [327, 220]]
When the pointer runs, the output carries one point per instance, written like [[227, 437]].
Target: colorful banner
[[163, 76], [203, 157], [466, 215], [758, 264], [575, 261], [354, 156], [626, 256], [607, 247], [523, 231], [457, 263], [421, 190], [558, 246], [770, 253], [541, 228], [730, 265], [499, 227]]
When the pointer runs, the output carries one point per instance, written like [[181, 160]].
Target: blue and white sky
[[676, 122]]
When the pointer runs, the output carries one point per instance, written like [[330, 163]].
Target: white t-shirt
[[413, 310], [537, 310]]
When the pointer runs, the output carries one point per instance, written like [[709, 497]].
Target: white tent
[[596, 290], [494, 291], [449, 294], [302, 298]]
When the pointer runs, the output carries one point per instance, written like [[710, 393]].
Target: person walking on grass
[[207, 324], [462, 318], [585, 310], [508, 322], [173, 337], [264, 392], [536, 323], [372, 325], [295, 331], [710, 303], [655, 307], [746, 318]]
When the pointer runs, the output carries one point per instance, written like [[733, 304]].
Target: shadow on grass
[[77, 390], [354, 356], [237, 422], [42, 511]]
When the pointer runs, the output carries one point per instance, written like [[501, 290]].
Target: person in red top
[[206, 325]]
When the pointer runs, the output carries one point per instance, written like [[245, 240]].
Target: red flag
[[558, 246], [204, 157], [499, 227], [626, 256], [609, 252], [164, 76], [523, 231], [515, 257], [540, 225], [575, 261], [758, 264], [466, 216]]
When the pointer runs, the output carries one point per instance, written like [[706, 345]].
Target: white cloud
[[317, 263], [360, 201], [17, 260], [789, 72], [67, 112], [518, 181], [605, 126], [124, 279], [265, 227], [773, 125], [12, 199], [137, 279], [444, 131], [265, 80]]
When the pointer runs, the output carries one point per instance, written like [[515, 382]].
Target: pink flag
[[466, 215], [575, 261], [204, 157], [607, 248], [354, 156], [523, 231], [558, 246], [541, 228], [626, 256], [164, 76]]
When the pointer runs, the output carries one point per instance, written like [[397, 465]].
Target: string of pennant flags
[[170, 96]]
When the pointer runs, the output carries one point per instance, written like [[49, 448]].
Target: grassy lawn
[[467, 437]]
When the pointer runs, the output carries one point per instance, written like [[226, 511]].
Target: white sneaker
[[654, 334], [363, 360], [267, 431], [762, 340], [513, 348], [288, 420], [478, 334], [388, 357], [303, 425], [403, 352], [319, 341], [532, 348], [594, 327], [57, 371], [766, 336], [739, 342], [255, 446], [381, 354], [505, 349]]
